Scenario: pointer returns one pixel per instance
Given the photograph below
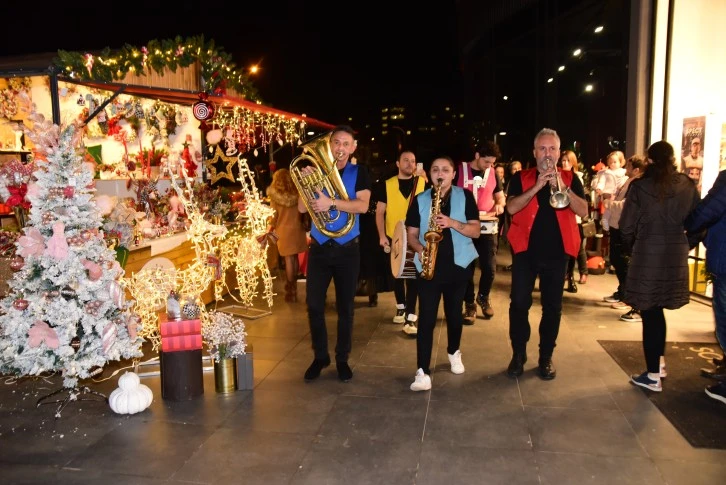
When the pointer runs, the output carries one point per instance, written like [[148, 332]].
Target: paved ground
[[589, 425]]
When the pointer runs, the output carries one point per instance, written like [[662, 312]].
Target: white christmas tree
[[66, 311]]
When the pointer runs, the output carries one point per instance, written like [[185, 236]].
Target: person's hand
[[383, 242], [321, 203], [499, 210], [443, 221]]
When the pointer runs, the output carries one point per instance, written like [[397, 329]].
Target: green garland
[[218, 70]]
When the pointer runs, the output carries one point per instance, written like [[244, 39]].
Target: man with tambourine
[[394, 195], [479, 177]]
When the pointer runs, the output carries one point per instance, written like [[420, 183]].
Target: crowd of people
[[441, 222]]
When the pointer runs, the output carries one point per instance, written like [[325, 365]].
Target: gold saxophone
[[325, 177], [432, 236]]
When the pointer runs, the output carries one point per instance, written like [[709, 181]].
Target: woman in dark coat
[[651, 227]]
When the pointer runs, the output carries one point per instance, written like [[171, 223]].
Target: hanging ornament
[[203, 109], [20, 304], [190, 310], [68, 192], [68, 293], [117, 294], [108, 337], [81, 101], [17, 263], [75, 344], [47, 218]]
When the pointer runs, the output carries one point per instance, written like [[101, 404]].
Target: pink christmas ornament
[[132, 325], [57, 246], [117, 294], [214, 136], [32, 244], [108, 337], [41, 332], [17, 263], [20, 304], [68, 192], [94, 270]]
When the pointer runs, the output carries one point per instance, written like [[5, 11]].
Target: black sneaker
[[717, 391], [344, 371], [633, 316], [313, 371], [614, 298]]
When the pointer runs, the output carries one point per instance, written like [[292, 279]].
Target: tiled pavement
[[589, 425]]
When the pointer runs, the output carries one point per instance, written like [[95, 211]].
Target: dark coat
[[653, 233], [710, 215]]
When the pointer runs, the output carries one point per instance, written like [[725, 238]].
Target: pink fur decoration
[[32, 244], [94, 270], [41, 332], [57, 245]]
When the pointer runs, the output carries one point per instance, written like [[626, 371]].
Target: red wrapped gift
[[180, 327], [181, 342]]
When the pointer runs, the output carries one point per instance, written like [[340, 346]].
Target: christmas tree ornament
[[108, 337], [57, 246], [117, 294], [17, 263], [47, 218], [20, 304], [68, 293], [68, 192], [41, 333], [203, 109], [75, 344], [173, 309], [190, 310]]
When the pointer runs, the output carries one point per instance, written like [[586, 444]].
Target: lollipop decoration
[[203, 109]]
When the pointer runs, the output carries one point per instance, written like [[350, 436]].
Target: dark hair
[[662, 168], [345, 128], [489, 149], [638, 161], [444, 157]]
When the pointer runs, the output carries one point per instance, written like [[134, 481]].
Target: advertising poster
[[693, 138]]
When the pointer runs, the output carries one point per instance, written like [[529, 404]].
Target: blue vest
[[349, 177], [464, 250]]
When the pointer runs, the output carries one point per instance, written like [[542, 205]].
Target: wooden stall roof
[[177, 96]]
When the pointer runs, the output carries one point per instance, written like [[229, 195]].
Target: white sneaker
[[409, 328], [456, 365], [422, 382]]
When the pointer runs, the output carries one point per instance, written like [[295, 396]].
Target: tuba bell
[[324, 178]]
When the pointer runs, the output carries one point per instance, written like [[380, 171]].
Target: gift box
[[181, 342], [179, 327]]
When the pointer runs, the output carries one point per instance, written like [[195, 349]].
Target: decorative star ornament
[[228, 161]]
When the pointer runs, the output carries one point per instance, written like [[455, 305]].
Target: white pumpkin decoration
[[131, 397]]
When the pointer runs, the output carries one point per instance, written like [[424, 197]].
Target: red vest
[[522, 221]]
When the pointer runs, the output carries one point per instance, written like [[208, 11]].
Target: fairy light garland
[[254, 129], [219, 72]]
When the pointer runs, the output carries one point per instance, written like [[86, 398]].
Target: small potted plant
[[225, 337]]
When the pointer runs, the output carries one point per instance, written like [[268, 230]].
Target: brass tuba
[[325, 177], [433, 236]]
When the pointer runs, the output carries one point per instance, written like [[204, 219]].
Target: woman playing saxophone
[[450, 212]]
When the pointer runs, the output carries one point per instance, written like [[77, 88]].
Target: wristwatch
[[332, 207]]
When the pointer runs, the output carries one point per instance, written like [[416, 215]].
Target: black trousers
[[551, 272], [486, 246], [618, 259], [430, 293], [581, 258], [406, 291], [654, 337], [341, 264]]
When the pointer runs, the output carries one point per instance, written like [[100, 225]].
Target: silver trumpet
[[559, 199]]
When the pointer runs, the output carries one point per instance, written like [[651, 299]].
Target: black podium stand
[[181, 375]]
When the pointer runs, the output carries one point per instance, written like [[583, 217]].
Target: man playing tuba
[[334, 244]]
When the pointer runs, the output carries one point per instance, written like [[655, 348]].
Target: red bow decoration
[[17, 196]]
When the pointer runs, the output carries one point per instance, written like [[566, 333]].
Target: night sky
[[330, 60]]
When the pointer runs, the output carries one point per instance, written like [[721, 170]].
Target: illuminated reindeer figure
[[150, 288], [247, 250]]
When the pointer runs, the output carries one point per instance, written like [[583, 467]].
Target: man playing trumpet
[[543, 202], [335, 256]]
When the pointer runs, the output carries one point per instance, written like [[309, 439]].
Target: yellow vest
[[397, 204]]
